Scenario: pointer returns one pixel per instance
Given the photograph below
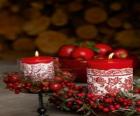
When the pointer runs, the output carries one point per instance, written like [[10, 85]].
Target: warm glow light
[[111, 55], [36, 53]]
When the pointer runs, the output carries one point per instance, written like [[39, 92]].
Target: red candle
[[38, 68], [110, 75]]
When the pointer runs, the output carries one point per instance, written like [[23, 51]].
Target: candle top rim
[[113, 59], [110, 63], [37, 59]]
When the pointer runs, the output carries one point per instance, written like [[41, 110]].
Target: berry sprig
[[76, 98]]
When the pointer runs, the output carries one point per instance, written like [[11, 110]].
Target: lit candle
[[110, 75], [38, 68]]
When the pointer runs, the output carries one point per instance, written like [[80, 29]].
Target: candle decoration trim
[[110, 76], [111, 81], [39, 71]]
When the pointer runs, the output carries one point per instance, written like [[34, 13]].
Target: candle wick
[[111, 55]]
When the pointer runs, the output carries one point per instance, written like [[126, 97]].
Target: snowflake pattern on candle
[[112, 81], [39, 71]]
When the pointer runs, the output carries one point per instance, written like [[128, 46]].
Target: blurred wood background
[[27, 25]]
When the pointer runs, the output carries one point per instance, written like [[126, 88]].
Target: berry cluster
[[69, 96], [17, 82], [76, 98]]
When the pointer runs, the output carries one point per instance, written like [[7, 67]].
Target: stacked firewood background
[[27, 25]]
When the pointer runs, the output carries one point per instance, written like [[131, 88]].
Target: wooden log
[[115, 22], [23, 44], [127, 25], [95, 15], [3, 3], [3, 46], [59, 18], [11, 55], [75, 6], [116, 6], [128, 38], [37, 5], [31, 13], [94, 3], [106, 31], [14, 8], [86, 31], [10, 25], [136, 7], [50, 41], [37, 25]]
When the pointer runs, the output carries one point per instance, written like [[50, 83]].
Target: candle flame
[[36, 53], [111, 55]]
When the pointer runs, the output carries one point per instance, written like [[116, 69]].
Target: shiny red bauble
[[121, 53], [83, 53], [103, 49], [66, 50]]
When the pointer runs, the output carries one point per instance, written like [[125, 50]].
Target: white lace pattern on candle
[[101, 82], [39, 71]]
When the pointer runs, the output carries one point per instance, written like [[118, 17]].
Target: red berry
[[90, 95], [80, 94], [70, 93], [17, 91], [117, 106], [79, 102], [10, 86], [138, 109], [137, 90], [69, 104], [27, 85], [112, 108], [101, 106], [6, 80], [58, 79], [45, 88], [55, 86], [106, 109], [108, 100], [121, 99], [17, 85], [138, 102], [45, 84], [13, 78]]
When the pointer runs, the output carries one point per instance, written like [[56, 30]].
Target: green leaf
[[2, 85], [95, 49], [127, 94], [66, 108], [80, 109], [70, 99], [88, 113], [131, 113], [78, 42]]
